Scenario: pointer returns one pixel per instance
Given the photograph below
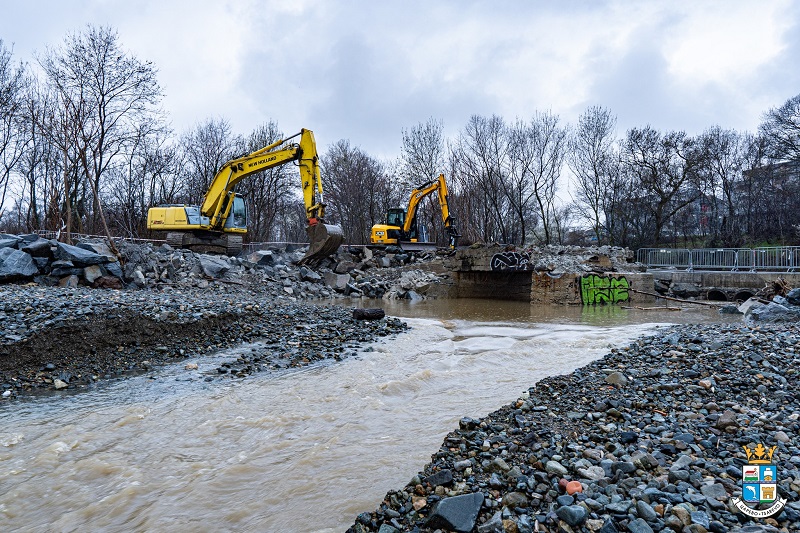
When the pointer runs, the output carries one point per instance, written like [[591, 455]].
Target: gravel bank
[[653, 434], [68, 338]]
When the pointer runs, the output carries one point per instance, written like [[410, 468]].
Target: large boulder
[[108, 282], [772, 313], [306, 274], [793, 296], [114, 269], [9, 241], [214, 266], [457, 513], [99, 248], [38, 248], [92, 273], [78, 256], [16, 264], [61, 268], [262, 258], [337, 281], [685, 290], [344, 267]]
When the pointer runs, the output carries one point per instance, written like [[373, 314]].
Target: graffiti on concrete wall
[[511, 261], [604, 290]]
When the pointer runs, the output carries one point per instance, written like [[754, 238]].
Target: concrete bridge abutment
[[553, 275]]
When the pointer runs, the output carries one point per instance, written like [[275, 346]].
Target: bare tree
[[542, 154], [106, 94], [781, 130], [357, 190], [422, 159], [593, 160], [203, 151], [60, 124], [519, 181], [664, 169], [146, 177], [722, 174], [40, 164], [478, 160], [13, 83], [423, 153]]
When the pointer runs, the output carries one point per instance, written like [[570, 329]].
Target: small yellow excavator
[[220, 222], [401, 224]]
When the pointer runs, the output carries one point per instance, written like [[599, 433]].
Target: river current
[[305, 450]]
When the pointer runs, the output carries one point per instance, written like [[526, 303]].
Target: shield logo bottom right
[[759, 484]]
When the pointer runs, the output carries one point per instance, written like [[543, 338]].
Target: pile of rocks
[[558, 259], [49, 262], [553, 259], [649, 438], [413, 285], [780, 310], [354, 271]]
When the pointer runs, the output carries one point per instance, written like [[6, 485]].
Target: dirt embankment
[[58, 338]]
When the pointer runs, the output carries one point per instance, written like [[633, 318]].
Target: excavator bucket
[[325, 239]]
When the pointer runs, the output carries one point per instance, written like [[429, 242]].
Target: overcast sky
[[366, 70]]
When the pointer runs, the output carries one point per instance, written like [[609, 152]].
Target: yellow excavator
[[401, 224], [220, 222]]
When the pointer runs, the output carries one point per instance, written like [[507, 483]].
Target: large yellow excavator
[[220, 222], [401, 224]]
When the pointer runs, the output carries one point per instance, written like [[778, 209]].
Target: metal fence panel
[[732, 259], [664, 257], [775, 258]]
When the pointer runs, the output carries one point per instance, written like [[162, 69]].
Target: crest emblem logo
[[759, 484]]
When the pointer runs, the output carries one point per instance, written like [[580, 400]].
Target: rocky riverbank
[[69, 338], [649, 438]]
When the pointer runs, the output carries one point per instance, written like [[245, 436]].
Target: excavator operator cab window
[[396, 217], [239, 212]]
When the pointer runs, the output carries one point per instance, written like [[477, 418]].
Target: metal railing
[[773, 258], [663, 257]]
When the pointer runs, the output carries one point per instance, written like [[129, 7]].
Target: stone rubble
[[782, 309], [553, 259], [353, 272]]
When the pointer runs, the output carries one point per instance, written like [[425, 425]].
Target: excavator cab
[[396, 216], [395, 220], [238, 215]]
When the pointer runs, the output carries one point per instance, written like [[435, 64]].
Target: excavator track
[[234, 246], [211, 243], [175, 239]]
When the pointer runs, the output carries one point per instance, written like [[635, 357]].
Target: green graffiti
[[603, 290]]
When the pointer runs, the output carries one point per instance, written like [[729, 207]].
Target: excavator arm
[[216, 202]]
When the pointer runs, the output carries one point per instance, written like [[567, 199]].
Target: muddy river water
[[302, 451]]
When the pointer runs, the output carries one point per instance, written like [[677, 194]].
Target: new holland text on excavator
[[218, 224], [401, 224]]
